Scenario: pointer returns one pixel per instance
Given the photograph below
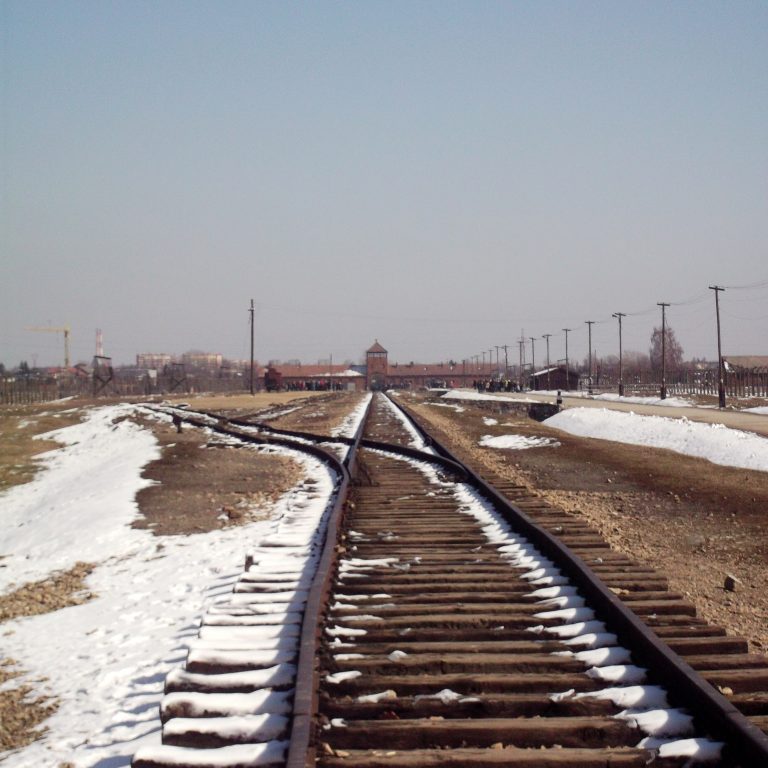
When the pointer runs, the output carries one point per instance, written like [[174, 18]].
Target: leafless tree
[[674, 352]]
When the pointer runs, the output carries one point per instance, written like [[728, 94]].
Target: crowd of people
[[495, 385]]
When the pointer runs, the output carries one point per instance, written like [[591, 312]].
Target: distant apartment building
[[153, 360], [209, 360]]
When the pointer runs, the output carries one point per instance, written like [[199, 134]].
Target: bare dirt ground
[[18, 426], [317, 412], [693, 520], [60, 590], [22, 712], [202, 485], [321, 414], [240, 404], [205, 485]]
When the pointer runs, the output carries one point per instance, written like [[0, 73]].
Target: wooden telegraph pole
[[251, 314], [546, 336], [533, 355], [721, 378], [590, 323], [619, 315], [663, 306]]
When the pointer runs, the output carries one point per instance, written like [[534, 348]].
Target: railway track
[[435, 624]]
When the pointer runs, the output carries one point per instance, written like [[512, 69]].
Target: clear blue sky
[[439, 175]]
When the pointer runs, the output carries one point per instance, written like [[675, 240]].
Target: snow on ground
[[461, 394], [465, 394], [351, 423], [517, 442], [417, 441], [761, 410], [456, 408], [89, 485], [714, 442], [106, 660], [669, 402]]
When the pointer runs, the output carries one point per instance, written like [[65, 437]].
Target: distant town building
[[554, 378], [311, 377], [156, 360], [209, 360], [746, 363]]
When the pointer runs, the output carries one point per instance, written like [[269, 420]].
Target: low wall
[[537, 411]]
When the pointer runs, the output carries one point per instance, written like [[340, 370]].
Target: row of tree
[[639, 363]]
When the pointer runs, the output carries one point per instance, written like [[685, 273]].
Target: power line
[[761, 284], [741, 317], [695, 299]]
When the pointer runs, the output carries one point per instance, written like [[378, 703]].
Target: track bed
[[434, 653]]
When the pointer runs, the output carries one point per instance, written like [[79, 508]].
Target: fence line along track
[[426, 654]]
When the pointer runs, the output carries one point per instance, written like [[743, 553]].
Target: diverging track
[[444, 628], [452, 641]]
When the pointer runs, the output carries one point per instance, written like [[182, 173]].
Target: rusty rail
[[745, 741]]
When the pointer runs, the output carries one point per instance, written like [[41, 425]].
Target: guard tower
[[377, 366]]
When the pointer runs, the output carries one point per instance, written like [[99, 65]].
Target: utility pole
[[533, 355], [497, 359], [663, 306], [721, 379], [490, 361], [590, 323], [619, 315], [546, 336], [520, 352], [482, 370], [251, 314], [506, 363], [567, 377]]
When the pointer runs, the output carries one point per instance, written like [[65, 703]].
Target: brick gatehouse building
[[380, 373]]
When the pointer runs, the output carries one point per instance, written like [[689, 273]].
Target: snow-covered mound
[[714, 442]]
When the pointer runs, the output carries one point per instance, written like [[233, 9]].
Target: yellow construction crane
[[64, 330]]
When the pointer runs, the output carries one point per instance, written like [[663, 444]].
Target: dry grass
[[60, 590], [18, 426], [21, 712], [241, 402]]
